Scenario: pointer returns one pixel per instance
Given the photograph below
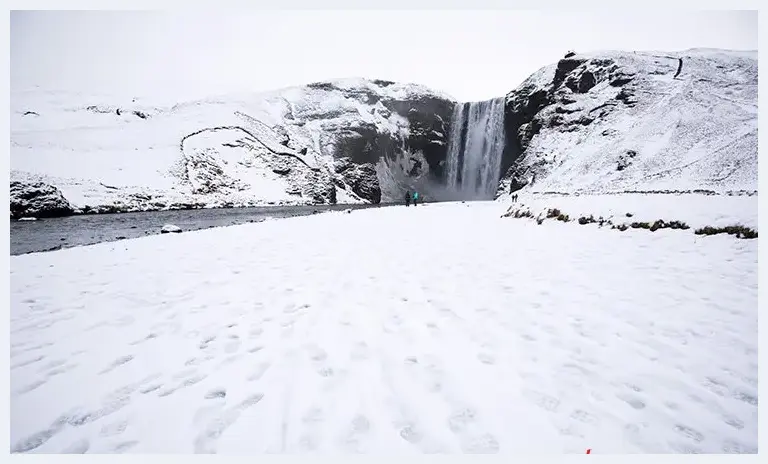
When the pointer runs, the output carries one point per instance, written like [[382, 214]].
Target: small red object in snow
[[589, 450]]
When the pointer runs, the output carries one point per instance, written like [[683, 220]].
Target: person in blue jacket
[[415, 198]]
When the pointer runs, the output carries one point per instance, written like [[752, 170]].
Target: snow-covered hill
[[617, 121], [286, 146]]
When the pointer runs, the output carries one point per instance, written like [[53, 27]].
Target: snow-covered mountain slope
[[616, 121], [276, 147]]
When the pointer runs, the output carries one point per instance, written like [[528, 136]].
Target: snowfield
[[437, 329]]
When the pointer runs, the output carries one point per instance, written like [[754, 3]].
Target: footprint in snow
[[31, 386], [484, 444], [358, 430], [52, 364], [232, 345], [80, 446], [689, 433], [314, 415], [205, 442], [461, 419], [188, 382], [360, 351], [633, 401], [28, 362], [411, 434], [316, 353], [116, 363], [542, 400], [114, 429], [486, 358], [735, 447], [259, 372], [206, 341], [124, 446], [216, 393], [255, 349], [584, 416]]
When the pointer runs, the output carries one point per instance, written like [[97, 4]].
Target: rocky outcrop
[[216, 162], [37, 199], [428, 118], [361, 179], [405, 119]]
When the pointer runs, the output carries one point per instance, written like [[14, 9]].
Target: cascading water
[[475, 147]]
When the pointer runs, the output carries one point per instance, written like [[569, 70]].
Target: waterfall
[[475, 146]]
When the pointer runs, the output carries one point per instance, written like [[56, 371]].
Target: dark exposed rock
[[383, 83], [362, 179], [679, 68], [627, 96], [620, 80], [565, 110], [625, 159], [322, 86], [564, 67], [37, 199], [320, 188], [282, 170], [586, 82]]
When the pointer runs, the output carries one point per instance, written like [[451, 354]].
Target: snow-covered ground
[[442, 328]]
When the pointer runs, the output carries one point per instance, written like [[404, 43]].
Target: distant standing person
[[407, 198], [415, 198]]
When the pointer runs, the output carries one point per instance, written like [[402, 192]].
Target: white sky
[[471, 55]]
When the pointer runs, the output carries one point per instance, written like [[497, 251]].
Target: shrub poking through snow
[[518, 213], [629, 214], [738, 230], [553, 213], [521, 214], [622, 227], [658, 224], [557, 214], [678, 225], [640, 225], [588, 220]]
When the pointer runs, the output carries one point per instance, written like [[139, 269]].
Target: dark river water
[[53, 234]]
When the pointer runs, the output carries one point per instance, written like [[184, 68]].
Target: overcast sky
[[471, 55]]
